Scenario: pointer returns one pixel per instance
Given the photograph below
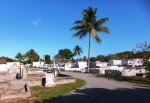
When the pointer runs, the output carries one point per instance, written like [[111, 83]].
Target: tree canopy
[[64, 55], [77, 50], [31, 56], [19, 57], [47, 59]]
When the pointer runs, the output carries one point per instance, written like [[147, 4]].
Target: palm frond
[[102, 29], [101, 21], [84, 33], [95, 11], [78, 33], [78, 22], [77, 27], [89, 24], [94, 34]]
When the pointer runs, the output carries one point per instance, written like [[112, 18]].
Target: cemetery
[[124, 67], [16, 79]]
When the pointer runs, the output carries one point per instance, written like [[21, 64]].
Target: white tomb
[[50, 80]]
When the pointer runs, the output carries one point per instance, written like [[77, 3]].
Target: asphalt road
[[105, 90]]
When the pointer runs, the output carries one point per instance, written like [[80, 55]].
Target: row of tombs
[[16, 83]]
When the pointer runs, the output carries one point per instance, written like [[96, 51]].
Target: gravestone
[[50, 80], [15, 68]]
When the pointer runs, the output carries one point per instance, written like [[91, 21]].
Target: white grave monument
[[49, 80]]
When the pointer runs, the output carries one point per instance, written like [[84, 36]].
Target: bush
[[147, 64]]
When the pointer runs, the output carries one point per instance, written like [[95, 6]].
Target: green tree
[[57, 58], [101, 58], [124, 55], [8, 59], [93, 59], [89, 25], [47, 59], [84, 58], [77, 51], [65, 54], [32, 56], [19, 57]]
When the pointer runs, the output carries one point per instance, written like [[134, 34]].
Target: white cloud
[[36, 22]]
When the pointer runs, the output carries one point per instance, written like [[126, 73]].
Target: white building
[[82, 64], [68, 66], [114, 62]]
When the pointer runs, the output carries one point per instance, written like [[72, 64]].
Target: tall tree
[[77, 51], [19, 57], [65, 54], [89, 25], [47, 59], [57, 58]]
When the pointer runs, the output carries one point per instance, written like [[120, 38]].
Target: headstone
[[55, 72], [54, 64], [49, 80]]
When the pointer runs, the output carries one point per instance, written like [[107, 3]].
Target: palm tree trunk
[[32, 61], [89, 53]]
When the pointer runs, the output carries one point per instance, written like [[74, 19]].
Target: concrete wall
[[64, 80], [38, 64], [102, 69], [3, 68], [33, 82], [10, 64], [82, 64]]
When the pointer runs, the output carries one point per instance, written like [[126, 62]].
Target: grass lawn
[[41, 93]]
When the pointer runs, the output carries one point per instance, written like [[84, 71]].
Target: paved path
[[104, 90]]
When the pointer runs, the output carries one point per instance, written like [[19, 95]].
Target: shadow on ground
[[101, 95]]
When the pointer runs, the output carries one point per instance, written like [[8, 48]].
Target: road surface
[[105, 90]]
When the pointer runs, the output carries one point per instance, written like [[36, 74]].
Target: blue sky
[[43, 25]]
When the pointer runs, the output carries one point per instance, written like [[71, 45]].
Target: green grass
[[49, 93], [41, 93], [135, 79]]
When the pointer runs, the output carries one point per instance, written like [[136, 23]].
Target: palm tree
[[32, 56], [77, 50], [89, 25], [19, 56]]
